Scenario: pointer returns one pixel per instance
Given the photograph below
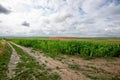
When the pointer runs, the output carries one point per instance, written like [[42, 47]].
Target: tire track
[[12, 63], [63, 71]]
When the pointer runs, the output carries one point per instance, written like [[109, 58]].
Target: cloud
[[57, 18], [62, 17], [4, 10], [86, 18], [25, 24]]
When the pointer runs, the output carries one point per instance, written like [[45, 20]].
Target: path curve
[[64, 71]]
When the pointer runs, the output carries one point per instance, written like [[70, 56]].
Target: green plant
[[4, 60], [85, 49], [74, 66]]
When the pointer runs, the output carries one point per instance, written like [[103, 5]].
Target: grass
[[74, 66], [101, 78], [98, 74], [29, 69], [92, 72], [0, 44], [4, 60], [86, 49]]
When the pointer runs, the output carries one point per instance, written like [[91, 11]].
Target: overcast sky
[[78, 18]]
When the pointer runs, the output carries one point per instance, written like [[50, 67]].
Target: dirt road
[[85, 69], [54, 65], [12, 63]]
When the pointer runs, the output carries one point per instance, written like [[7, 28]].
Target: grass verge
[[4, 60]]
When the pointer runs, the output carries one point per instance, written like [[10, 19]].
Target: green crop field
[[59, 39], [48, 58], [86, 48]]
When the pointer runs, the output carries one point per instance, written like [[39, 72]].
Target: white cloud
[[61, 18]]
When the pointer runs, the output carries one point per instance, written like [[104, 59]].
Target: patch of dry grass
[[2, 46]]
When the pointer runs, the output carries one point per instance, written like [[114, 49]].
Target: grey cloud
[[86, 22], [4, 10], [47, 21], [115, 10], [110, 10], [39, 32], [111, 25], [89, 21], [26, 24], [61, 18], [117, 23]]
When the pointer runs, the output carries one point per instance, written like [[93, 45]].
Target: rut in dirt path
[[63, 71], [12, 63]]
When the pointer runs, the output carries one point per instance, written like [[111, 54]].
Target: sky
[[73, 18]]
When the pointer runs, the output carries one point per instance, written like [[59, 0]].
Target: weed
[[4, 60], [74, 66], [57, 67]]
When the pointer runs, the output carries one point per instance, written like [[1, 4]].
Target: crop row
[[85, 49]]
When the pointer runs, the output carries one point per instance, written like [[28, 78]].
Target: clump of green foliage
[[101, 78], [74, 66], [4, 60], [85, 49]]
